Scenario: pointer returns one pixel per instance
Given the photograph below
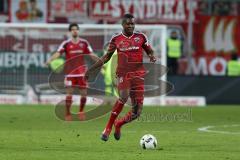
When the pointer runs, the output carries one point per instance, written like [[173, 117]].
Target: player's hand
[[152, 59], [47, 63]]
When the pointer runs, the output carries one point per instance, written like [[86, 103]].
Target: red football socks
[[68, 104], [82, 103], [127, 118], [130, 116], [115, 112]]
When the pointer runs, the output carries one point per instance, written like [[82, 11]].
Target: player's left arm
[[90, 52], [150, 54], [148, 49], [94, 57]]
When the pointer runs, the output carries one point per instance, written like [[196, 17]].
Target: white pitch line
[[209, 129]]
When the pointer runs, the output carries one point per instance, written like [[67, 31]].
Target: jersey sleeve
[[89, 49], [112, 44], [62, 48], [146, 46]]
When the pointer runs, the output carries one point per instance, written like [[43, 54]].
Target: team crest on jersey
[[137, 39], [81, 45], [124, 44]]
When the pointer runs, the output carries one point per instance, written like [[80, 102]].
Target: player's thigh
[[137, 91], [123, 86], [69, 90], [70, 82], [69, 85], [124, 94], [137, 109], [82, 84]]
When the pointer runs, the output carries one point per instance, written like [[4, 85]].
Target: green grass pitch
[[34, 133]]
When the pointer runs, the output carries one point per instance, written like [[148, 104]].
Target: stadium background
[[208, 30]]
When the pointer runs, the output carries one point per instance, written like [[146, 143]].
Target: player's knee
[[83, 92], [135, 116], [83, 99], [136, 111], [123, 99], [69, 99], [137, 101]]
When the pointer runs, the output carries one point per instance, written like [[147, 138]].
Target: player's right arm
[[53, 57], [57, 54], [104, 59]]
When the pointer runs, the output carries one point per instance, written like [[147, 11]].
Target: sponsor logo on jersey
[[76, 51], [131, 48], [127, 46]]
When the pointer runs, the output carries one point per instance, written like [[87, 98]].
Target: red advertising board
[[215, 39], [156, 11], [93, 11], [64, 11], [203, 65], [217, 35]]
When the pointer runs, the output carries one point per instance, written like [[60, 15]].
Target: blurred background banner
[[145, 11], [34, 11], [99, 11], [64, 11]]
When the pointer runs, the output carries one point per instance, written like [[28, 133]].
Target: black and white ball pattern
[[148, 141]]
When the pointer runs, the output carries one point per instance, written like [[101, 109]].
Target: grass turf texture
[[33, 132]]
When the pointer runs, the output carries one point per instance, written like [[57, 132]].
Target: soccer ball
[[148, 141]]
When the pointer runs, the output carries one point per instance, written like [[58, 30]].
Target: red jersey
[[75, 64], [130, 52]]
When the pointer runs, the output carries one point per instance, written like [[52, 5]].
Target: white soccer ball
[[148, 141]]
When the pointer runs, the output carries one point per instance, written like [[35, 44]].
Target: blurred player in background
[[109, 72], [130, 73], [74, 48]]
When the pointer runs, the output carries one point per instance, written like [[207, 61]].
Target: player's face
[[128, 26], [74, 31]]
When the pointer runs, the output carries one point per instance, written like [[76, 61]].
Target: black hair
[[127, 16], [72, 25]]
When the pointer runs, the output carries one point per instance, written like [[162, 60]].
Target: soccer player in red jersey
[[130, 73], [74, 48]]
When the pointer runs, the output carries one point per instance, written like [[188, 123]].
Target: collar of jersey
[[128, 37], [75, 42]]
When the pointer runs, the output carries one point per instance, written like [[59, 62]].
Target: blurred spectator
[[221, 8], [204, 7], [35, 13], [4, 11], [233, 66], [174, 52], [22, 13], [109, 73], [3, 6], [238, 7]]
